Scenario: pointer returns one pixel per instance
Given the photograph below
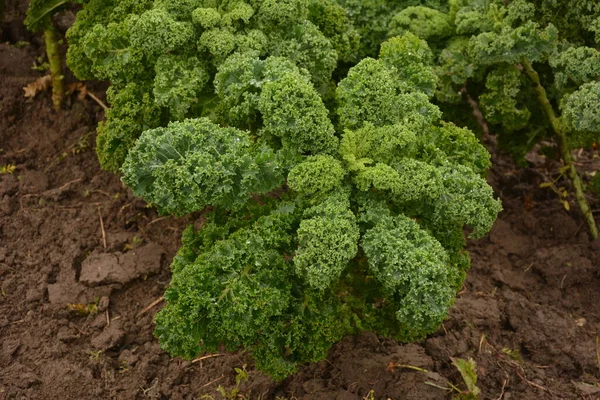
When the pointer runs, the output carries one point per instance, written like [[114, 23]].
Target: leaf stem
[[53, 53], [565, 148]]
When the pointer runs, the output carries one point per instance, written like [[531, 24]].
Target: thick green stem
[[565, 148], [53, 52]]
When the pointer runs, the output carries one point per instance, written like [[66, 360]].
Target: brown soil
[[528, 314]]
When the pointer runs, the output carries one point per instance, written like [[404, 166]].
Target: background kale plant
[[533, 67], [334, 202]]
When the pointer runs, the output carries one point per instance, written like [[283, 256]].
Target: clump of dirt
[[81, 260]]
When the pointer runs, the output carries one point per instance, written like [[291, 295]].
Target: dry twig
[[153, 304], [156, 220], [481, 342], [502, 391], [213, 381], [97, 100], [391, 366], [535, 385], [102, 228], [206, 357], [83, 91], [47, 193]]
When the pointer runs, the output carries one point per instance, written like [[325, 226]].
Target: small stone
[[128, 357], [99, 321], [111, 337], [63, 293], [117, 240], [33, 295], [103, 303], [101, 268], [65, 334], [106, 268]]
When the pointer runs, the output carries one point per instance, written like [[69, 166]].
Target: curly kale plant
[[532, 65], [161, 56], [375, 19], [320, 221]]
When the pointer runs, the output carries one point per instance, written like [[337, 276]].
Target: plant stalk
[[53, 53], [565, 148]]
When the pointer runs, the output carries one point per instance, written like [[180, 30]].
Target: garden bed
[[74, 315]]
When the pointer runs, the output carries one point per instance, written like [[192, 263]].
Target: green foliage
[[327, 241], [481, 51], [317, 174], [239, 81], [366, 235], [410, 264], [334, 21], [580, 112], [133, 111], [595, 184], [426, 23], [468, 372], [500, 102], [393, 89], [511, 45], [195, 163], [454, 70], [305, 45], [576, 20], [187, 51], [111, 54], [178, 83], [411, 58], [467, 201], [368, 94], [331, 205], [39, 13], [522, 61], [575, 66], [242, 290], [373, 18], [281, 97], [157, 31], [293, 112]]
